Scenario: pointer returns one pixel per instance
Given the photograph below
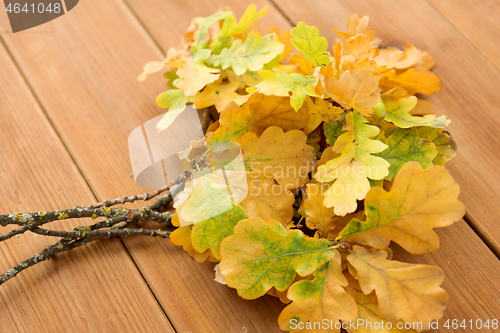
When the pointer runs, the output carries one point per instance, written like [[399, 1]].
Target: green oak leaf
[[333, 130], [404, 145], [261, 255], [204, 23], [252, 55], [231, 28], [446, 146], [175, 101], [306, 39], [209, 234], [398, 112], [210, 197], [279, 83]]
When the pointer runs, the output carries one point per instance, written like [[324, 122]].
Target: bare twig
[[125, 199], [68, 243], [108, 233]]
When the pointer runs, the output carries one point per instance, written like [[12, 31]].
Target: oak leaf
[[321, 298], [354, 166], [419, 201], [182, 237], [398, 112], [278, 83], [219, 94], [284, 156], [318, 216], [208, 234], [302, 64], [175, 101], [358, 89], [230, 27], [205, 24], [194, 74], [258, 113], [369, 312], [210, 197], [306, 39], [446, 146], [405, 145], [261, 255], [356, 25], [266, 199], [412, 81], [404, 291], [252, 55], [321, 110]]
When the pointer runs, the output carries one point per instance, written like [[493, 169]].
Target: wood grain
[[83, 68], [96, 289], [477, 20]]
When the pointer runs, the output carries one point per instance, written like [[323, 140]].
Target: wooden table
[[69, 99]]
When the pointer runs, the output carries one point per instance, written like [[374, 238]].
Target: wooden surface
[[69, 99]]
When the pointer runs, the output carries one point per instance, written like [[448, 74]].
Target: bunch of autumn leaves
[[378, 178]]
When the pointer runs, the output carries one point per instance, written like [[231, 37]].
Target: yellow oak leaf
[[354, 166], [358, 54], [321, 110], [356, 25], [283, 156], [368, 312], [338, 223], [278, 83], [323, 298], [419, 59], [261, 255], [358, 89], [249, 79], [302, 64], [175, 58], [219, 94], [412, 81], [279, 60], [423, 108], [419, 201], [318, 216], [194, 74], [258, 113], [266, 199], [406, 292]]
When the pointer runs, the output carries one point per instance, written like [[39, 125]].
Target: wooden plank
[[471, 280], [84, 73], [95, 289], [477, 20], [469, 96]]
